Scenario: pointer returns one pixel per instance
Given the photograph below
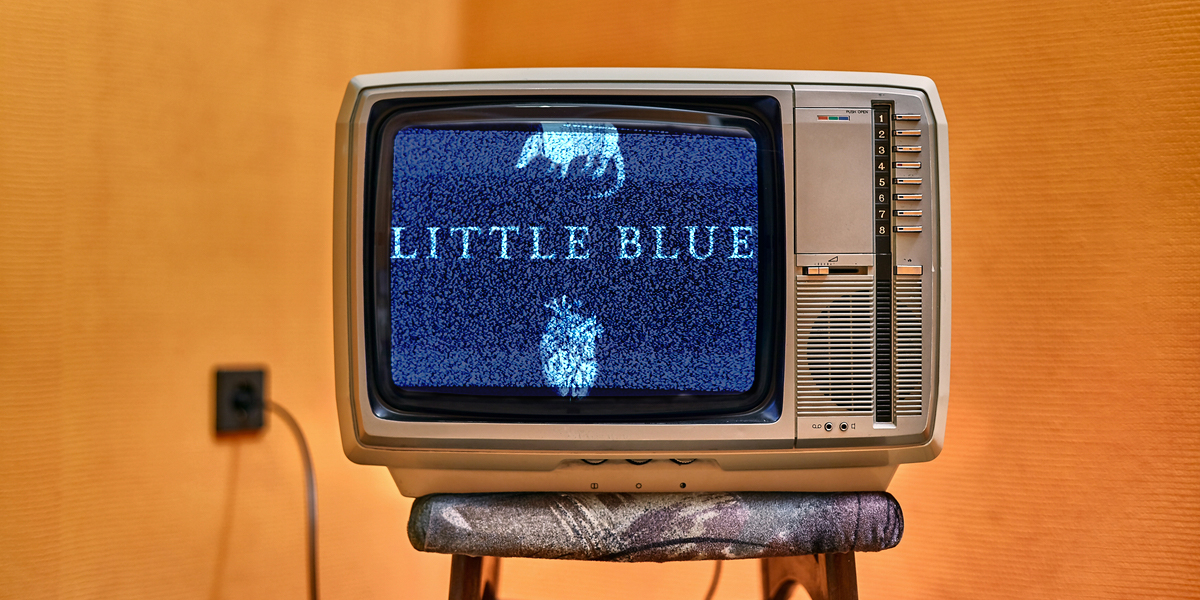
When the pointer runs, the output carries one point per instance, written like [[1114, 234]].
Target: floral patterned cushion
[[655, 527]]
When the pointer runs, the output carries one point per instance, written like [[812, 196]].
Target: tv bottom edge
[[639, 476]]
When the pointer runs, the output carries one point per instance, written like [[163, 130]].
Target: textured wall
[[1072, 461], [158, 216], [165, 206]]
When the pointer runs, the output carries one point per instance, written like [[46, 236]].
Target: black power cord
[[310, 484], [712, 587]]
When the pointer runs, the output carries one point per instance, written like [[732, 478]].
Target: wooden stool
[[801, 539]]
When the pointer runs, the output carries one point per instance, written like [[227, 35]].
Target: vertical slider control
[[884, 176]]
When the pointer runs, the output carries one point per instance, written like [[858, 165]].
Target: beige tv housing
[[836, 431]]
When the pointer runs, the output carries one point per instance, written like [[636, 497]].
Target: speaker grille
[[835, 346], [908, 347]]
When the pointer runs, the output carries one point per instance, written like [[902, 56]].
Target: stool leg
[[824, 576], [841, 578], [474, 577]]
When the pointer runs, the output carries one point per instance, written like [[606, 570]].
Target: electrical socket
[[240, 400]]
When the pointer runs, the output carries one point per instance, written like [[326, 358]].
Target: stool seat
[[655, 527]]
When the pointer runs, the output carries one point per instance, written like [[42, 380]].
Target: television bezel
[[762, 403]]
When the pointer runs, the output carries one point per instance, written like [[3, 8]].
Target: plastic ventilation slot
[[908, 347], [835, 347]]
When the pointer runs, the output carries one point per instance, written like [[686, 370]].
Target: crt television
[[624, 280]]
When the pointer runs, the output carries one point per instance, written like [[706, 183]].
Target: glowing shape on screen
[[562, 143], [569, 349]]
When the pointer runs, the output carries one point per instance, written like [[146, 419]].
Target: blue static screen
[[574, 259]]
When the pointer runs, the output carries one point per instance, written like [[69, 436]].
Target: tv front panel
[[641, 279]]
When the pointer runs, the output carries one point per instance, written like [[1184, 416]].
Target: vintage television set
[[629, 280]]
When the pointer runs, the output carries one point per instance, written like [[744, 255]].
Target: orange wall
[[158, 217], [1072, 461], [165, 206]]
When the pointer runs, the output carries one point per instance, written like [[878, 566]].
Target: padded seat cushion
[[654, 527]]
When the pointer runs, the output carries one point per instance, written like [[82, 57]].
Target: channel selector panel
[[884, 179], [899, 177]]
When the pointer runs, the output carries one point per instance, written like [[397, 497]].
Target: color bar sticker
[[833, 118]]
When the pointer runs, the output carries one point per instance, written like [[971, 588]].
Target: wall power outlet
[[240, 396]]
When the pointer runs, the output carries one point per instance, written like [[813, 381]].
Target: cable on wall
[[716, 578], [311, 489]]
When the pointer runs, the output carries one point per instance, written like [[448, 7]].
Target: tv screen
[[588, 260]]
